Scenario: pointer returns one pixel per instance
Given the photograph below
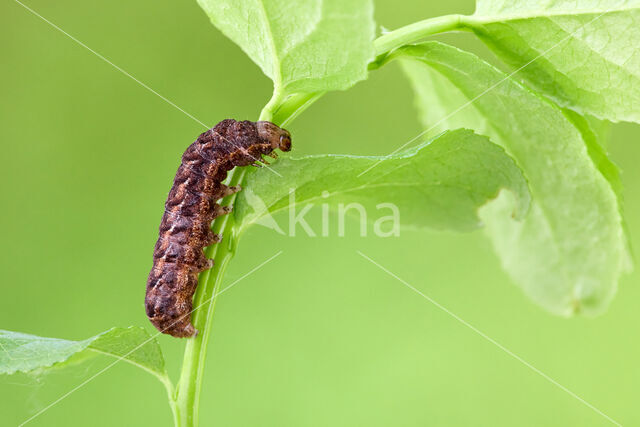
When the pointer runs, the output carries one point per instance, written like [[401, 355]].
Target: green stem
[[273, 104], [386, 43], [168, 385], [195, 353], [291, 107]]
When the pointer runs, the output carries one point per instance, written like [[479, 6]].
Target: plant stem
[[190, 382], [292, 106], [386, 43], [274, 103], [168, 385]]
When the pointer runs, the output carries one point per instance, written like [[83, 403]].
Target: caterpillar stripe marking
[[185, 229]]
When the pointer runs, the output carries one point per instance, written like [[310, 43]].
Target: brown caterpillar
[[185, 229]]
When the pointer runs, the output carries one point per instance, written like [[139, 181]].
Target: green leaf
[[587, 50], [439, 184], [570, 250], [302, 45], [26, 353]]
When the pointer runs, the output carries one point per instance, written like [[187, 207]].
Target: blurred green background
[[318, 337]]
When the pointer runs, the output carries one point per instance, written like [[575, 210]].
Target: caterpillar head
[[274, 136]]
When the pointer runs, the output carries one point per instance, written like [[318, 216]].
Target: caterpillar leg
[[211, 238], [221, 210], [204, 264], [259, 163], [229, 190]]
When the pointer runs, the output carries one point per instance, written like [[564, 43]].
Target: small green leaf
[[587, 50], [302, 45], [26, 353], [570, 250], [439, 184]]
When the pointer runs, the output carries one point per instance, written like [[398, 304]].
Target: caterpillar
[[191, 206]]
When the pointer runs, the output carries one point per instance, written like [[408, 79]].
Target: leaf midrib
[[161, 375], [365, 186], [277, 76]]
